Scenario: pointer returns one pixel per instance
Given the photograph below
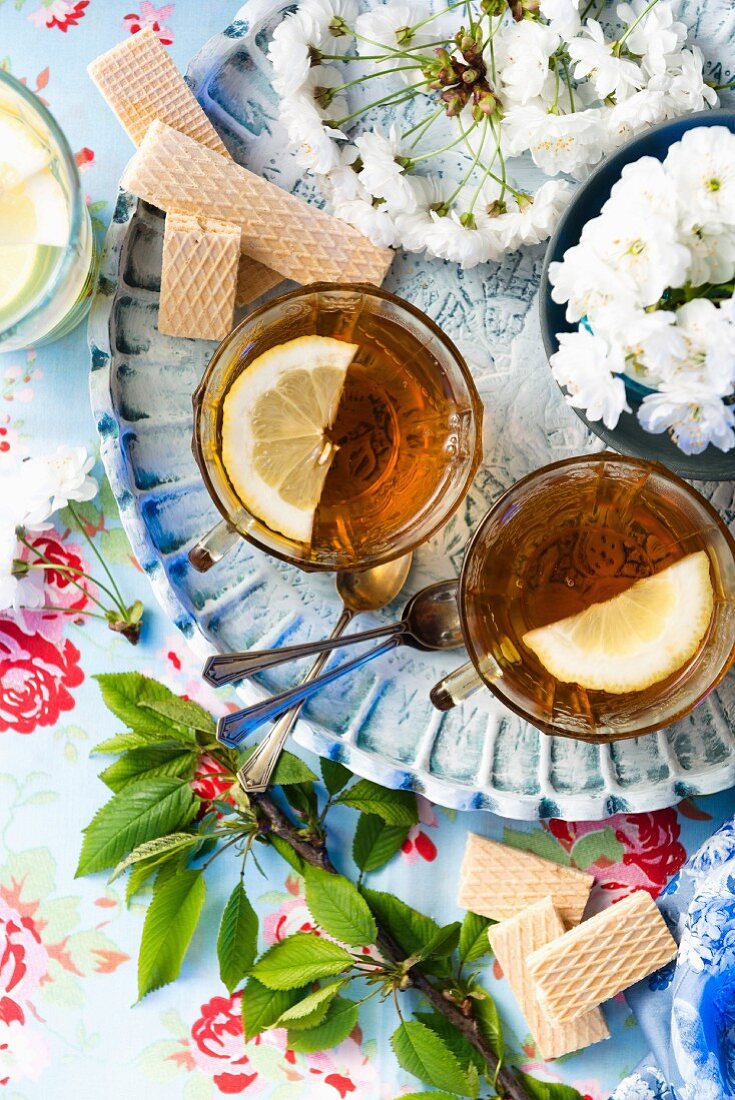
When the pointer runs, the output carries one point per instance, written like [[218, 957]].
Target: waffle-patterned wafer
[[498, 881], [253, 279], [512, 941], [601, 957], [173, 172], [141, 83], [198, 277]]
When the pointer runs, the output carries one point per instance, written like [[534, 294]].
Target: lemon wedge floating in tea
[[635, 639], [275, 421]]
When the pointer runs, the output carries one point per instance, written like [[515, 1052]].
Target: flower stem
[[47, 564], [66, 611], [384, 101], [632, 26], [98, 555], [422, 126], [436, 14], [445, 149], [723, 87], [568, 80], [371, 76]]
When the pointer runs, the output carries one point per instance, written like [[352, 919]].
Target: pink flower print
[[24, 1054], [292, 916], [153, 18], [84, 158], [61, 13], [10, 441], [418, 844], [60, 591], [343, 1072]]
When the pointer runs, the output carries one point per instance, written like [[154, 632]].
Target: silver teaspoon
[[359, 590], [430, 622]]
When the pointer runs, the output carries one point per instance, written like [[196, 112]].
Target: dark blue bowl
[[628, 437]]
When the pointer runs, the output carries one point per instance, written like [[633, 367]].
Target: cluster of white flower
[[519, 76], [30, 492], [650, 283]]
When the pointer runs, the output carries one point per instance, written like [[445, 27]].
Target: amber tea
[[591, 594], [349, 427]]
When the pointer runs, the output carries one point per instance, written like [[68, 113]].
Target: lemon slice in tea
[[636, 638], [274, 430]]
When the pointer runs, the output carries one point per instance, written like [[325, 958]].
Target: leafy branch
[[176, 808]]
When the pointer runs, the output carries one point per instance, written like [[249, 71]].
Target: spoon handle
[[225, 668], [256, 772], [234, 728]]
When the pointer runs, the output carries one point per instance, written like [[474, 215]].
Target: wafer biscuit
[[498, 881], [512, 941], [253, 279], [198, 277], [303, 243], [601, 957], [141, 83]]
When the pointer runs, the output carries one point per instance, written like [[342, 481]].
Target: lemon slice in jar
[[35, 212], [275, 420], [22, 153], [635, 639]]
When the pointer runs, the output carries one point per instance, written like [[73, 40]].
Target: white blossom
[[594, 57], [558, 143], [430, 194], [534, 219], [324, 12], [382, 174], [522, 52], [642, 247], [691, 413], [289, 52], [469, 246], [712, 254], [656, 37], [52, 481], [702, 167], [588, 283], [371, 218], [686, 91], [588, 367], [640, 110], [390, 25], [313, 141], [563, 15], [646, 188]]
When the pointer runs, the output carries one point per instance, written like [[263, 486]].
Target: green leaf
[[300, 959], [423, 1053], [335, 775], [165, 758], [162, 845], [261, 1007], [313, 1008], [599, 844], [375, 842], [335, 1027], [442, 943], [290, 769], [488, 1020], [547, 1090], [169, 925], [123, 742], [410, 929], [394, 807], [473, 941], [462, 1050], [139, 812], [122, 692], [537, 841], [183, 712], [336, 905], [286, 852], [433, 1095], [237, 942]]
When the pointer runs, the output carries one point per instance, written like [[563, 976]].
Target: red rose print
[[23, 962], [35, 678], [62, 579], [218, 1045], [211, 782]]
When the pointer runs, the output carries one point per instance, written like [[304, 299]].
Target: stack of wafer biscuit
[[182, 167], [560, 967]]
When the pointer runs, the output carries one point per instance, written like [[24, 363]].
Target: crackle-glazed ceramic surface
[[380, 723]]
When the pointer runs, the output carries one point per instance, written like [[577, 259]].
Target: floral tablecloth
[[67, 947]]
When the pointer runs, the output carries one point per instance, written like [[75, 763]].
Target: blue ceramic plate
[[628, 436], [380, 723]]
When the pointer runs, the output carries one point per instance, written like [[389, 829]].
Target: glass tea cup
[[408, 430], [47, 252], [591, 524]]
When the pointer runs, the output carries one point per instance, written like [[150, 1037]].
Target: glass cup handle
[[459, 684], [213, 546]]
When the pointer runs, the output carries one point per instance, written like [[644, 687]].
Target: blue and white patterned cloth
[[687, 1009]]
